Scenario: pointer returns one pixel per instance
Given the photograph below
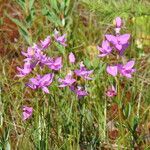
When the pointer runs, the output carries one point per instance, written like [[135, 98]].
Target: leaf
[[22, 29], [17, 22], [25, 35], [22, 4], [54, 18], [30, 17], [54, 5], [61, 48], [31, 2], [135, 123], [127, 110]]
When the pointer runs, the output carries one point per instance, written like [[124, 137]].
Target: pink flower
[[46, 42], [30, 52], [68, 81], [80, 92], [127, 69], [111, 92], [60, 39], [105, 49], [112, 70], [72, 58], [55, 63], [25, 70], [27, 112], [83, 72], [119, 41], [118, 22], [41, 82]]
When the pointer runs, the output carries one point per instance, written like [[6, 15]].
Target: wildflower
[[25, 70], [27, 112], [83, 72], [72, 58], [124, 47], [41, 82], [118, 41], [118, 24], [80, 92], [30, 52], [46, 42], [112, 70], [68, 81], [42, 59], [127, 69], [60, 39], [37, 47], [105, 49], [55, 64], [111, 92]]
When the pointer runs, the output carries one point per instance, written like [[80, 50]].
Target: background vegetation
[[63, 121]]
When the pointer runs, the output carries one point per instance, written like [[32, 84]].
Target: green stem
[[81, 119], [119, 106], [105, 121], [37, 120]]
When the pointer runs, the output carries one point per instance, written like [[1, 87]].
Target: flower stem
[[119, 106]]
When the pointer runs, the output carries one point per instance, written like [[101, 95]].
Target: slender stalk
[[119, 106], [81, 106], [105, 121]]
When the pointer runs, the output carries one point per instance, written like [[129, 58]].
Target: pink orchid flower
[[55, 63], [46, 42], [68, 81], [60, 39], [105, 49], [25, 70], [127, 69], [111, 92], [27, 112], [112, 70], [80, 92], [118, 24], [118, 41], [72, 58], [83, 72], [41, 82]]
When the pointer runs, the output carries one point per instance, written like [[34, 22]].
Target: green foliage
[[108, 10], [60, 120]]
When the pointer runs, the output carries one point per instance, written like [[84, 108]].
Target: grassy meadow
[[60, 120]]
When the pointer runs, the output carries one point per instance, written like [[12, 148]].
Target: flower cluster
[[36, 56], [118, 43], [72, 83]]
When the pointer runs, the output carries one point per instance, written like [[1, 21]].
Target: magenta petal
[[129, 64], [111, 38], [102, 55], [123, 39], [118, 22], [111, 92], [119, 47], [27, 112], [112, 70], [46, 42], [71, 58], [45, 89]]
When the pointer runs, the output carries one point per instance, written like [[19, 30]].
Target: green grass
[[60, 121]]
